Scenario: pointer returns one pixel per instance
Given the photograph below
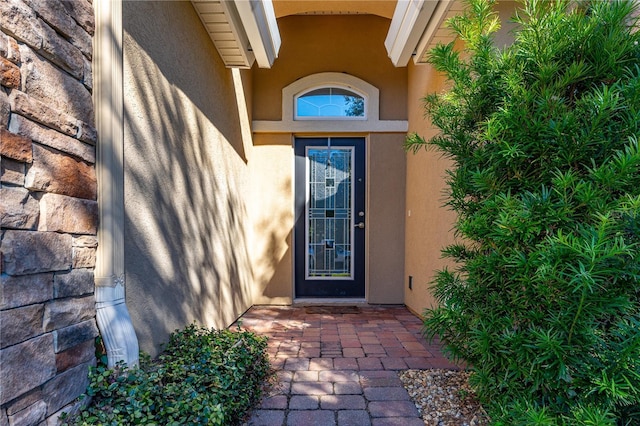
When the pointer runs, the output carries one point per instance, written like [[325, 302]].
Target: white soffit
[[242, 30], [414, 24]]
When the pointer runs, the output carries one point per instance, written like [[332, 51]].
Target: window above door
[[326, 95], [330, 102]]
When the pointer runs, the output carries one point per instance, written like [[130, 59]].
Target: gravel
[[444, 397]]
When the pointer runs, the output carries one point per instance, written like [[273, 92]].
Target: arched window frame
[[351, 89], [370, 93]]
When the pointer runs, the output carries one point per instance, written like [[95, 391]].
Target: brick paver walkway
[[340, 368]]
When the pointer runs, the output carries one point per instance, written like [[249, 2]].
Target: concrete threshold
[[329, 302]]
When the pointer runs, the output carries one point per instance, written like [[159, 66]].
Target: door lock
[[359, 225]]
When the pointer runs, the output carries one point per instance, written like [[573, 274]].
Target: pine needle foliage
[[543, 300]]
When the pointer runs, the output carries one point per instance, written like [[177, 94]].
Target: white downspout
[[112, 316]]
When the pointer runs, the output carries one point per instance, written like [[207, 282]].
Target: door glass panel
[[329, 229]]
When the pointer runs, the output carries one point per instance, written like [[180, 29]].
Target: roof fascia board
[[260, 25], [410, 19], [434, 24]]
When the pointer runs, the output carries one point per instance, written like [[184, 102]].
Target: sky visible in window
[[330, 102]]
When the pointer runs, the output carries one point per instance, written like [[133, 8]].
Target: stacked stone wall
[[48, 208]]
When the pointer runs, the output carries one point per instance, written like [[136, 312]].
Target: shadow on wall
[[272, 262], [186, 240]]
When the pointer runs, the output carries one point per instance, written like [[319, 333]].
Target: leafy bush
[[543, 300], [203, 377]]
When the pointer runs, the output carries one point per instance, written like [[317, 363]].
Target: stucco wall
[[273, 216], [429, 225], [187, 251], [385, 218], [271, 211], [353, 44]]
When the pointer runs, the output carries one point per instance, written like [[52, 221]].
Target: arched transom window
[[330, 102]]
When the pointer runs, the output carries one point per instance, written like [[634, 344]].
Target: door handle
[[359, 225]]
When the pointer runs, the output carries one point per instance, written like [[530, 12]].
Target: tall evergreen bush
[[543, 297]]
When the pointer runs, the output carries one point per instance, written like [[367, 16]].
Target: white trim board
[[330, 126]]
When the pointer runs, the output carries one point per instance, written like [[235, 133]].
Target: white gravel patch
[[444, 397]]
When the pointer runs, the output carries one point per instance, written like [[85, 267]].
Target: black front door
[[330, 217]]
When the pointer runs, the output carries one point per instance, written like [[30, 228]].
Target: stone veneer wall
[[48, 208]]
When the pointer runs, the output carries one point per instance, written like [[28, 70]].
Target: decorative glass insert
[[330, 102], [329, 218]]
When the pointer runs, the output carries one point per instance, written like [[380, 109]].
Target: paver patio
[[339, 366]]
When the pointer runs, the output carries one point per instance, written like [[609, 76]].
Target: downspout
[[112, 316]]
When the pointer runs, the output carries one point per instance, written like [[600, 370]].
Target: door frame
[[296, 239]]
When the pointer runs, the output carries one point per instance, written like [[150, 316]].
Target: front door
[[330, 217]]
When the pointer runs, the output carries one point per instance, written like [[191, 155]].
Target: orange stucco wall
[[353, 44], [429, 225], [382, 8]]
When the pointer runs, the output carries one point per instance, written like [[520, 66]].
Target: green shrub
[[203, 377], [543, 298]]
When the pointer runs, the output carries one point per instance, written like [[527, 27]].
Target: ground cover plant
[[203, 377], [542, 300]]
